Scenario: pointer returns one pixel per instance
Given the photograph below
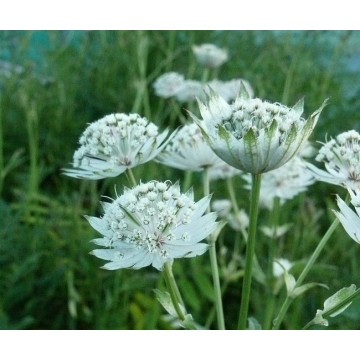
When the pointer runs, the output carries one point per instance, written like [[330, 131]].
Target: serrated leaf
[[331, 303], [165, 300]]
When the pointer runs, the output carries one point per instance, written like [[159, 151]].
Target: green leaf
[[331, 305], [300, 290], [165, 300]]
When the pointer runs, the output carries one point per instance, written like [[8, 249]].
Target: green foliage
[[68, 79]]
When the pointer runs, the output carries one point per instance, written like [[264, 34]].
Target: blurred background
[[53, 83]]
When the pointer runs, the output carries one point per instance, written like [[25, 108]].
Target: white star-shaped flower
[[114, 144], [151, 224]]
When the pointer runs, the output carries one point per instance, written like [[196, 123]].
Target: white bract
[[280, 266], [348, 218], [168, 84], [151, 224], [210, 55], [189, 91], [115, 143], [285, 183], [188, 150], [341, 157], [229, 90], [253, 135]]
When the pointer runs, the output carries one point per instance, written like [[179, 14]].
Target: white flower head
[[151, 224], [188, 150], [229, 90], [285, 183], [222, 207], [168, 84], [210, 55], [115, 143], [348, 218], [189, 91], [281, 265], [239, 221], [253, 135], [341, 157]]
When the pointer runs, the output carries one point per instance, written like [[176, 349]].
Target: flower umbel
[[168, 84], [341, 157], [210, 55], [285, 183], [115, 143], [253, 135], [151, 224], [188, 150]]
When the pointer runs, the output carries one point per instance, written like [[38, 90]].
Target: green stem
[[250, 250], [213, 262], [131, 177], [174, 292], [274, 223], [2, 170], [231, 191], [306, 270]]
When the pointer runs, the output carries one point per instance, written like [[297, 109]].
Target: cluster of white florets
[[146, 215], [256, 114], [343, 154], [116, 136]]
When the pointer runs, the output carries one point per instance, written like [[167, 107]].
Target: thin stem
[[213, 262], [250, 250], [175, 294], [231, 191], [306, 270], [131, 177]]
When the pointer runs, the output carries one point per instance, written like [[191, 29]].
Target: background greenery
[[70, 78]]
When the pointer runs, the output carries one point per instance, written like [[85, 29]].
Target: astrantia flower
[[189, 91], [348, 218], [229, 90], [285, 183], [210, 55], [115, 143], [253, 135], [151, 224], [168, 84], [188, 150], [341, 157]]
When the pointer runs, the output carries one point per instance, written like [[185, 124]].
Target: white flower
[[188, 150], [348, 218], [229, 90], [168, 84], [189, 91], [222, 207], [279, 265], [341, 157], [115, 143], [253, 135], [222, 170], [285, 183], [239, 221], [151, 224], [210, 55]]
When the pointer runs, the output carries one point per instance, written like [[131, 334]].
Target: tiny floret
[[152, 224], [115, 143]]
